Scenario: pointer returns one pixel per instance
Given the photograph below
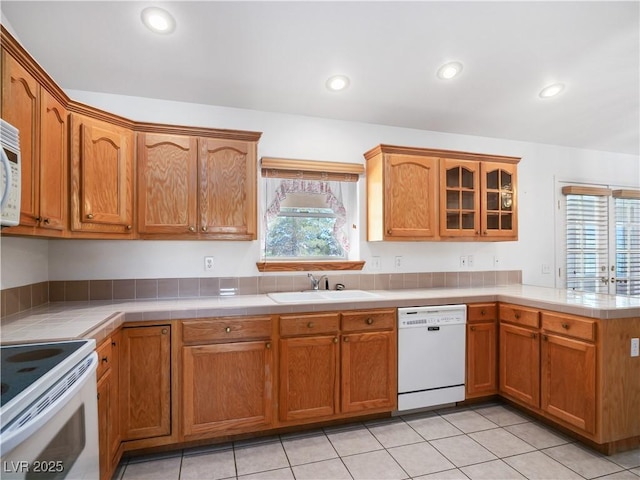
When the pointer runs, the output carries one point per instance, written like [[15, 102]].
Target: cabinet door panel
[[482, 343], [227, 387], [167, 184], [569, 381], [53, 164], [105, 411], [459, 198], [308, 377], [228, 177], [499, 200], [21, 107], [369, 371], [410, 196], [145, 382], [520, 364]]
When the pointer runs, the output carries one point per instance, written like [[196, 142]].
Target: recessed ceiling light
[[551, 90], [158, 20], [449, 70], [337, 83]]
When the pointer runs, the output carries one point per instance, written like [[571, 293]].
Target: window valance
[[310, 170]]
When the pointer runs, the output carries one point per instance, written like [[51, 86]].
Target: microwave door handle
[[14, 434], [7, 171]]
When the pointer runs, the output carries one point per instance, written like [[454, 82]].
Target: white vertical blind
[[587, 242], [627, 226]]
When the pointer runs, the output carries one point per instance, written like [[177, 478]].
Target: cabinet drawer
[[104, 357], [291, 325], [578, 327], [528, 317], [368, 320], [225, 329], [482, 311]]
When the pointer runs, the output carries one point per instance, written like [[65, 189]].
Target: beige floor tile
[[378, 465], [462, 450], [431, 428], [278, 474], [260, 458], [493, 470], [538, 466], [394, 433], [501, 443], [309, 449], [454, 474], [628, 459], [636, 471], [166, 469], [332, 469], [502, 416], [623, 475], [215, 465], [537, 435], [420, 459], [469, 421], [586, 462], [353, 441]]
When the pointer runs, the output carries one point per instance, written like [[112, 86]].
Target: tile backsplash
[[18, 299]]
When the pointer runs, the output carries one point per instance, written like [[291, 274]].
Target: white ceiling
[[277, 56]]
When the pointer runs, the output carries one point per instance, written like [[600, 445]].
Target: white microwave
[[11, 181]]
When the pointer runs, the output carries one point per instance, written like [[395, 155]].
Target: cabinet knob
[[228, 329], [565, 326], [113, 344], [192, 229], [483, 313], [38, 219], [129, 227], [545, 338], [204, 228], [517, 315], [533, 335], [335, 339], [369, 321], [310, 324], [389, 232], [268, 346], [90, 216], [105, 359], [473, 329], [46, 221], [346, 339], [164, 331]]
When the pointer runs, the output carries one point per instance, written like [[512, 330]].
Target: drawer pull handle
[[228, 329], [164, 331], [565, 326], [310, 324], [369, 321]]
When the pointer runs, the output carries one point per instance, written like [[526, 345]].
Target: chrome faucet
[[315, 282]]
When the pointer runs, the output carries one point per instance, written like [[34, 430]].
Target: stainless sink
[[320, 296]]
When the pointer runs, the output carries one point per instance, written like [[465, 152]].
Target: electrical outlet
[[635, 347], [398, 263], [546, 269], [470, 261], [375, 263], [208, 264], [463, 262]]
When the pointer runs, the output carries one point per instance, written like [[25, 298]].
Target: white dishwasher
[[431, 356]]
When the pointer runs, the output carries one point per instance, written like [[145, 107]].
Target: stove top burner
[[22, 365]]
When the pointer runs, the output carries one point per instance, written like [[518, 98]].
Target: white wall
[[24, 261], [290, 136]]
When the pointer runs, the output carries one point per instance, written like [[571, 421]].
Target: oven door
[[56, 437]]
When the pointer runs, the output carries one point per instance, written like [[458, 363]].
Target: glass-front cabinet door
[[499, 213], [459, 198]]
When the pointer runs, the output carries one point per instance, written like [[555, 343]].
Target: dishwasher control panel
[[432, 316]]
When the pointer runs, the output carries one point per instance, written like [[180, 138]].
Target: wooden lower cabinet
[[482, 350], [520, 364], [227, 388], [369, 371], [145, 382], [108, 406]]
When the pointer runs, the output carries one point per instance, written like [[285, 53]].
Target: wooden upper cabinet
[[42, 122], [401, 196], [167, 184], [228, 184], [101, 177], [459, 198], [499, 200]]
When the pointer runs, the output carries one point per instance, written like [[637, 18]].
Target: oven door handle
[[37, 414]]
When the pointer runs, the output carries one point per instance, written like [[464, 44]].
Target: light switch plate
[[635, 347]]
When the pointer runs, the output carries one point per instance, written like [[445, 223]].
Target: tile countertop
[[72, 320]]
